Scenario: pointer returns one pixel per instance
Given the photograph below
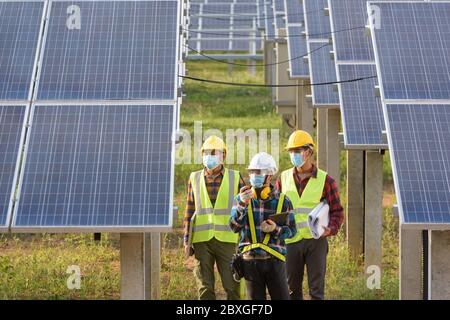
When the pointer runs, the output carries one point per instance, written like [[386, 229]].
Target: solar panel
[[279, 14], [322, 70], [317, 23], [20, 26], [348, 19], [118, 50], [297, 50], [12, 119], [362, 115], [101, 167], [412, 46], [269, 22], [419, 141], [294, 11]]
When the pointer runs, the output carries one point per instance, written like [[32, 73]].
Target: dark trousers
[[313, 254], [262, 274], [206, 255]]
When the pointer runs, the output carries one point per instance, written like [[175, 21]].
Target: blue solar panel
[[105, 167], [362, 114], [122, 50], [279, 13], [297, 50], [11, 127], [413, 46], [20, 27], [278, 5], [419, 141], [269, 22], [322, 70], [294, 11], [317, 23], [348, 20]]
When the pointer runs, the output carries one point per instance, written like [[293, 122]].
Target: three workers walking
[[274, 255]]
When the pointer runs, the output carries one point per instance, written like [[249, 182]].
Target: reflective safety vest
[[213, 222], [263, 245], [303, 205]]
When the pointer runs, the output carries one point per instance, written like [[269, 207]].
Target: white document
[[318, 219]]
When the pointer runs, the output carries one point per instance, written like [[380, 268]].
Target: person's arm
[[289, 230], [278, 185], [238, 217], [331, 195], [241, 182], [189, 212]]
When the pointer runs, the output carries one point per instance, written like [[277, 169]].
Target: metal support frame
[[333, 146], [284, 96], [411, 249], [373, 199], [322, 159], [140, 264], [354, 222], [438, 265]]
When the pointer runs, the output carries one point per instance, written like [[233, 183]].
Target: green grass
[[34, 266]]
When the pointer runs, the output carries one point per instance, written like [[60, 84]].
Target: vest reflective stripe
[[214, 222], [211, 226], [302, 205], [263, 245]]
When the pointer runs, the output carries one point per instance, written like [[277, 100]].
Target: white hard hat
[[264, 162]]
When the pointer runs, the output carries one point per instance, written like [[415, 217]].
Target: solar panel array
[[99, 148], [297, 49], [360, 109], [20, 26], [296, 42], [321, 66], [225, 26], [411, 41]]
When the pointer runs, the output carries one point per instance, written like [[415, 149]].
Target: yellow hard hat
[[214, 143], [299, 138]]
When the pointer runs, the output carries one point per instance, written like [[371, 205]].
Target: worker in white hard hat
[[262, 241], [307, 186], [207, 234]]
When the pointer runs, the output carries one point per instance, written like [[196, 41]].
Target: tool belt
[[237, 266]]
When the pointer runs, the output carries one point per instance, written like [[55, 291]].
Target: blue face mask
[[211, 161], [257, 181], [297, 159]]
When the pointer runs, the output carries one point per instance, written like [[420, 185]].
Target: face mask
[[257, 181], [210, 161], [297, 159]]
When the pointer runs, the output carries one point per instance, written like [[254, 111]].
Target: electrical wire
[[256, 65], [275, 85]]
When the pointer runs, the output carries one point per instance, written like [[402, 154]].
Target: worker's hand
[[268, 226], [187, 251], [245, 194], [326, 233]]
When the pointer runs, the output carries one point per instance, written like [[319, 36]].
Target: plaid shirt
[[262, 209], [213, 179], [330, 194]]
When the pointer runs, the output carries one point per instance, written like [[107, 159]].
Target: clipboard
[[280, 219]]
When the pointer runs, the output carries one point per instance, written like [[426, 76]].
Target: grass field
[[34, 266]]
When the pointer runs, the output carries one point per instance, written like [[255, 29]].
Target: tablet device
[[280, 219]]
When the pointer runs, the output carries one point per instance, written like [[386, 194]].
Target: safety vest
[[263, 245], [213, 222], [310, 198]]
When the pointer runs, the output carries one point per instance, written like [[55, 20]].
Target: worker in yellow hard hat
[[207, 235], [307, 186]]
